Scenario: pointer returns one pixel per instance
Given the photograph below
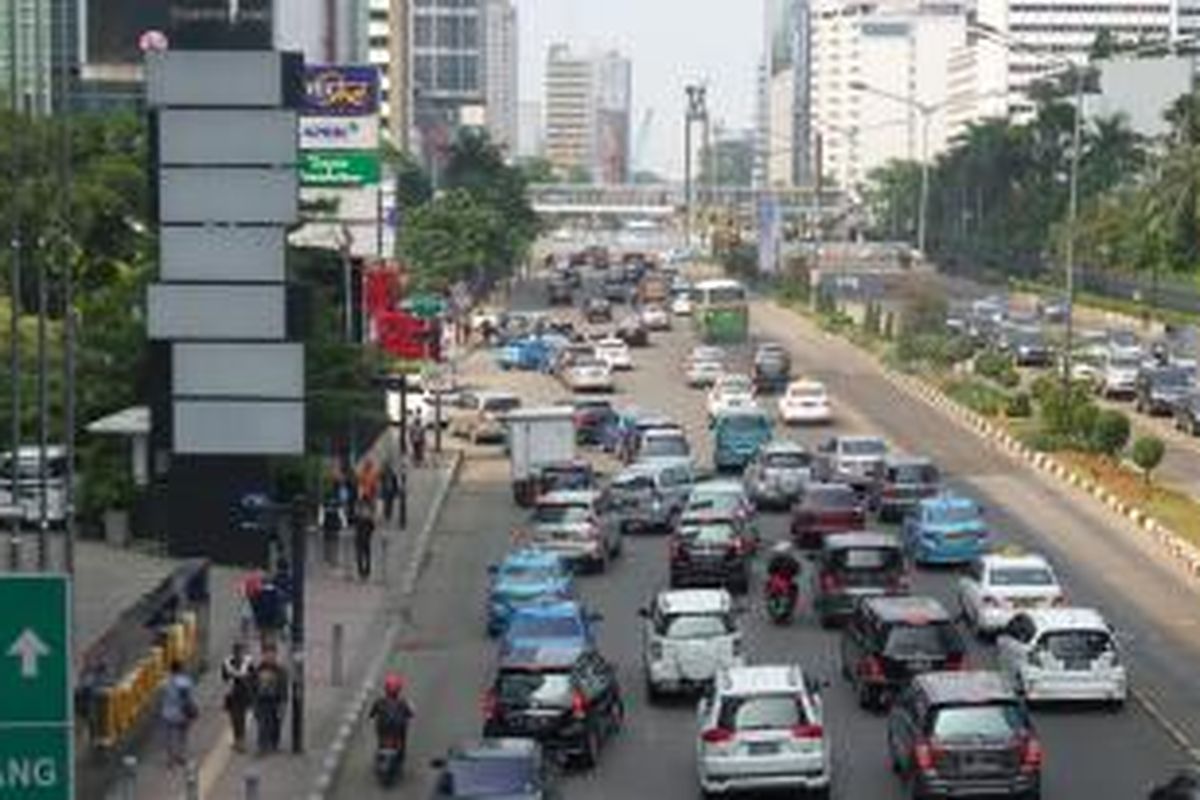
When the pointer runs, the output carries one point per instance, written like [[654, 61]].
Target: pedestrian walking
[[416, 440], [368, 482], [332, 522], [364, 534], [237, 675], [270, 684], [389, 490], [179, 711]]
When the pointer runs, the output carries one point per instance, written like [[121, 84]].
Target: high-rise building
[[388, 46], [786, 90], [588, 108], [899, 55], [500, 71], [447, 72], [569, 110], [45, 57]]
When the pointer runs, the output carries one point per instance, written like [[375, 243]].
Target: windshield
[[728, 294], [744, 423], [664, 446], [953, 515], [491, 777], [1021, 576], [528, 573], [633, 483], [535, 689], [566, 479], [835, 498], [935, 639], [914, 473], [736, 385], [709, 533], [994, 722], [1077, 645], [696, 626], [868, 558], [1178, 378], [762, 712], [806, 392], [525, 626], [864, 447], [501, 404], [1125, 363], [787, 460], [561, 514]]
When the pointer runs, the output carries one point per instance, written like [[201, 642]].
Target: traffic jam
[[954, 682]]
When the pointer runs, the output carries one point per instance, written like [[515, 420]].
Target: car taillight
[[925, 756], [829, 582], [1059, 601], [1032, 754], [956, 661], [678, 551], [717, 735], [889, 491], [579, 705], [488, 705], [871, 668], [808, 731]]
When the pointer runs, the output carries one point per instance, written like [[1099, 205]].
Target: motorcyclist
[[392, 713], [782, 569]]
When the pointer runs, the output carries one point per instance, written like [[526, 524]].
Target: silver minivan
[[648, 495]]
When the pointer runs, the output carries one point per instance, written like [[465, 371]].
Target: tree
[[451, 239], [1148, 452], [537, 170], [1110, 432], [414, 187]]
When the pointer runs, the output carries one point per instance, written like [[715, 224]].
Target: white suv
[[688, 635], [1063, 654], [762, 728]]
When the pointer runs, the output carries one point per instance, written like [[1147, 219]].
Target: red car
[[823, 509]]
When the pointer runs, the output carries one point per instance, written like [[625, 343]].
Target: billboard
[[340, 91], [339, 168], [770, 235], [339, 133]]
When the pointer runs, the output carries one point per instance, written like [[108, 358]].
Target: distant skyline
[[671, 43]]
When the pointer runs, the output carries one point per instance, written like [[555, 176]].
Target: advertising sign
[[339, 133], [341, 91], [770, 235], [339, 168]]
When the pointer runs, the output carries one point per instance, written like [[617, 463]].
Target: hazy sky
[[671, 43]]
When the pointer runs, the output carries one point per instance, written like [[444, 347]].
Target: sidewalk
[[334, 595]]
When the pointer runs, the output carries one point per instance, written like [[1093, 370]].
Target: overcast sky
[[671, 43]]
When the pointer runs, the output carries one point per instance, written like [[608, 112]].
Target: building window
[[423, 32]]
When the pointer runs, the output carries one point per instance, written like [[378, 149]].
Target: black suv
[[772, 368], [564, 696], [853, 566], [888, 640], [953, 734], [711, 552], [559, 291], [899, 483], [1160, 388]]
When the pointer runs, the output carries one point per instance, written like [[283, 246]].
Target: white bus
[[27, 505]]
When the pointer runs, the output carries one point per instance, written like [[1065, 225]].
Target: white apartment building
[[500, 72], [898, 50], [588, 110], [388, 47]]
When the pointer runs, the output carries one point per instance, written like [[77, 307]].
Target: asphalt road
[[1091, 755]]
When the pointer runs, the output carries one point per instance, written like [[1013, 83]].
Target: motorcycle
[[781, 591], [389, 760]]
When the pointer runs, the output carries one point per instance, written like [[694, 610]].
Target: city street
[[1090, 754]]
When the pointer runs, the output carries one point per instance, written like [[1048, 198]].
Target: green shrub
[[1110, 432], [979, 397], [1019, 406], [1009, 377], [1043, 386], [1044, 442], [1148, 452], [997, 366]]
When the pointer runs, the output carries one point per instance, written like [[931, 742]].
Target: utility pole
[[1072, 213], [68, 333], [14, 543], [697, 111]]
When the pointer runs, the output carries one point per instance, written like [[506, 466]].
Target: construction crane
[[642, 139]]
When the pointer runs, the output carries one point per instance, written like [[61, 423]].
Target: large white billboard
[[238, 427], [220, 312]]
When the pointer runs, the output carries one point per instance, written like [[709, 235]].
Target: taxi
[[947, 528]]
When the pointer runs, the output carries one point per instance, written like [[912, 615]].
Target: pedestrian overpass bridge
[[665, 200]]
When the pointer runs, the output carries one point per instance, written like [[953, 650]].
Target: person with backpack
[[270, 684], [178, 712]]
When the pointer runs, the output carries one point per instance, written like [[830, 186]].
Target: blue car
[[564, 623], [947, 528], [737, 436], [524, 577], [530, 353]]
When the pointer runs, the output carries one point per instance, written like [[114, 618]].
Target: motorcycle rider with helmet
[[392, 713], [782, 590]]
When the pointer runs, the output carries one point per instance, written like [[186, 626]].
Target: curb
[[335, 753], [1184, 553]]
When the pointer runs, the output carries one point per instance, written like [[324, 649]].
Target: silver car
[[777, 474], [648, 495], [688, 635], [569, 523], [763, 728]]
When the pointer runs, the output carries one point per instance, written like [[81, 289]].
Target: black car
[[563, 695], [1187, 413], [772, 369], [1029, 348], [597, 309], [513, 769], [1160, 388], [853, 566], [964, 734], [888, 640], [633, 332], [711, 552], [615, 289], [899, 483], [559, 291]]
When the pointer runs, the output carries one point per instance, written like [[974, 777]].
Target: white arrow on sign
[[29, 648]]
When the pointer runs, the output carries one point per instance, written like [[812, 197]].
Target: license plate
[[920, 665], [1078, 664], [762, 748]]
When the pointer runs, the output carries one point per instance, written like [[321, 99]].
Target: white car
[[589, 375], [688, 635], [656, 318], [1062, 654], [805, 402], [998, 586], [614, 352], [663, 443], [762, 727], [730, 391], [1118, 375], [681, 305], [702, 374], [853, 456]]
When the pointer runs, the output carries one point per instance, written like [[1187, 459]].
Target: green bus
[[720, 311]]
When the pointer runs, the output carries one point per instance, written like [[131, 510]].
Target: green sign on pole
[[36, 712], [426, 306], [339, 168]]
